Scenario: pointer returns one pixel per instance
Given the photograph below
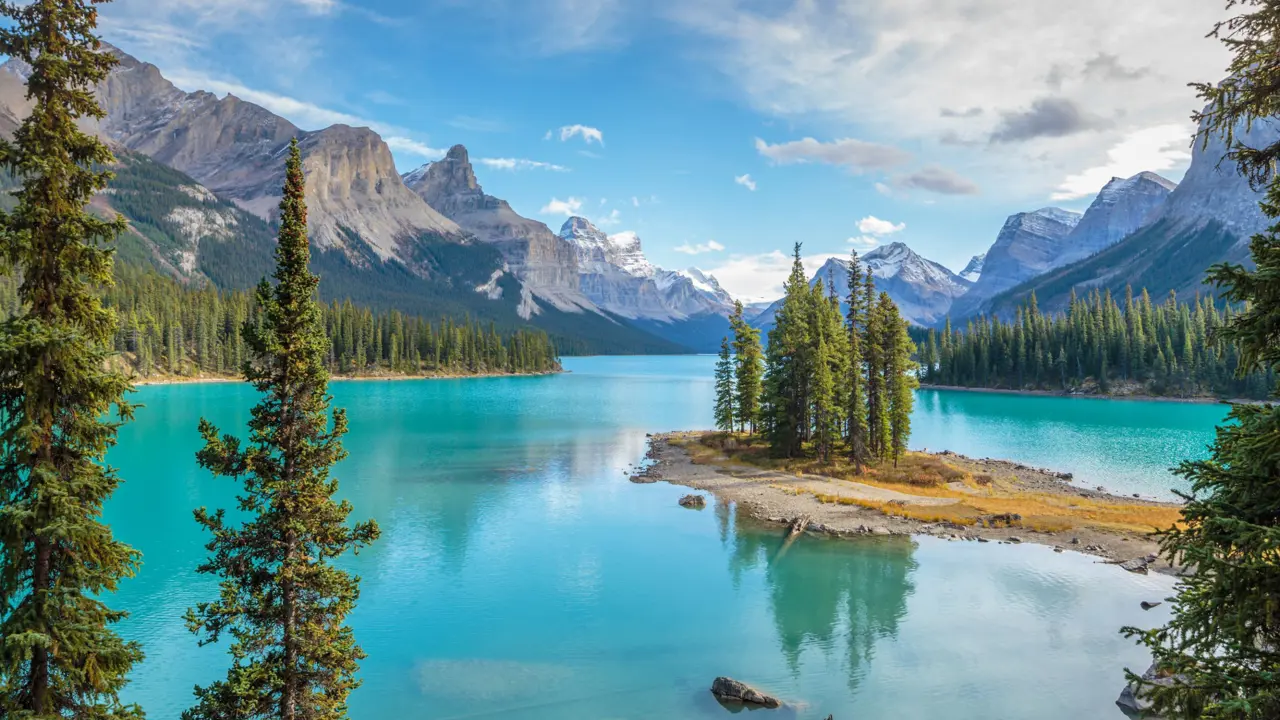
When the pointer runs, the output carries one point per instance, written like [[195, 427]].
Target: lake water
[[520, 575]]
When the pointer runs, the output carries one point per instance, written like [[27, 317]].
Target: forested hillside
[[1097, 345], [171, 330]]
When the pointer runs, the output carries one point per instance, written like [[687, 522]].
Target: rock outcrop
[[547, 264], [729, 690], [1121, 207], [614, 273], [236, 149], [1132, 700], [1028, 245], [973, 270]]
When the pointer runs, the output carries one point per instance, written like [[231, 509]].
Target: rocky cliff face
[[615, 274], [973, 270], [1213, 192], [1121, 207], [236, 149], [543, 261], [1028, 245], [922, 289]]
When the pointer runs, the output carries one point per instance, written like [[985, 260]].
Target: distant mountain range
[[199, 178]]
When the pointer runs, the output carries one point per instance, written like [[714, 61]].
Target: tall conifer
[[856, 411], [283, 602], [748, 370], [724, 410], [59, 657], [1222, 646]]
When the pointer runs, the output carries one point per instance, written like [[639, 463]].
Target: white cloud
[[586, 132], [1155, 149], [890, 69], [613, 218], [864, 240], [745, 181], [754, 278], [699, 248], [413, 147], [520, 164], [872, 225], [568, 207], [884, 189], [635, 201], [857, 155]]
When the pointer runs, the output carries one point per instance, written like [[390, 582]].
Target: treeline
[[166, 328], [1170, 348], [826, 384]]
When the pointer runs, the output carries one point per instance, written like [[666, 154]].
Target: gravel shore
[[789, 500]]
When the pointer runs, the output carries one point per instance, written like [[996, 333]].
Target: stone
[[696, 502], [1138, 565], [1132, 701], [1147, 604], [1015, 539], [1075, 541], [729, 690], [643, 479]]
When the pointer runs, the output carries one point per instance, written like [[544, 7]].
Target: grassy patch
[[921, 474]]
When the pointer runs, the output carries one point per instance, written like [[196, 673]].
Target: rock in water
[[696, 502], [1138, 565], [729, 690], [1147, 604], [1132, 700]]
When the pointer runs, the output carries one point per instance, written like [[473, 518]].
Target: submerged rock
[[1147, 604], [729, 690], [696, 502]]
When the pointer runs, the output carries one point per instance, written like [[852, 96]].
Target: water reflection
[[824, 592]]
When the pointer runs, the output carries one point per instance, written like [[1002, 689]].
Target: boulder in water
[[729, 690], [696, 502]]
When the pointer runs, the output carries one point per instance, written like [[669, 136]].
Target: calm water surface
[[520, 575]]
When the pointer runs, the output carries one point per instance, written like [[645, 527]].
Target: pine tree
[[283, 602], [876, 354], [59, 657], [825, 406], [725, 397], [1222, 645], [748, 370]]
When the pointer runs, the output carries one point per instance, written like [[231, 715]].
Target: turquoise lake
[[520, 574]]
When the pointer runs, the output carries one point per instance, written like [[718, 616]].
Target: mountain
[[973, 270], [688, 307], [1120, 208], [198, 179], [922, 289], [1029, 244], [1208, 218], [544, 262]]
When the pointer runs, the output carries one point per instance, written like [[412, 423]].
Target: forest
[[171, 330], [1098, 345], [826, 386]]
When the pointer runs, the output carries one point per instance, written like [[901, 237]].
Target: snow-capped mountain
[[1122, 206], [614, 273], [974, 268], [1029, 244], [922, 289]]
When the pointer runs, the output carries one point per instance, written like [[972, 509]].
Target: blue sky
[[722, 131]]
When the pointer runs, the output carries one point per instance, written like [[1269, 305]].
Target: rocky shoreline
[[791, 501]]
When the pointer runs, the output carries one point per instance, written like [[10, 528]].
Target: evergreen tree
[[901, 381], [825, 406], [59, 657], [725, 396], [748, 370], [283, 602], [1223, 643], [856, 410], [877, 356], [787, 366]]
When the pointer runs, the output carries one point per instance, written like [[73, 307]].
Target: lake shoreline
[[781, 500], [1199, 400], [209, 380]]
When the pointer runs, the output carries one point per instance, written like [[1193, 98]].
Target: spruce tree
[[825, 406], [1222, 646], [724, 410], [748, 370], [59, 657], [283, 602], [901, 381], [856, 411], [787, 366], [873, 347]]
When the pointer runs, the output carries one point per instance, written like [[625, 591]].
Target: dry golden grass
[[928, 475]]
